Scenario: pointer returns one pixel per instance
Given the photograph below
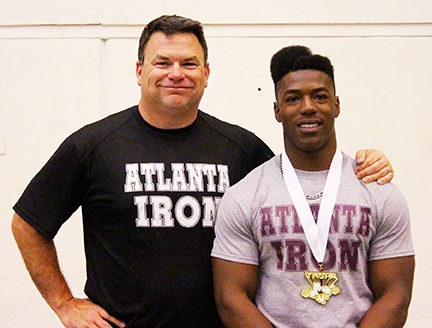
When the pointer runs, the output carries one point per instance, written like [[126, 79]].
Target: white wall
[[67, 63]]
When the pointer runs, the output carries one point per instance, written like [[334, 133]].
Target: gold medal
[[323, 285]]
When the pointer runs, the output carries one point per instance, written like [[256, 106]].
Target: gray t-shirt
[[257, 224]]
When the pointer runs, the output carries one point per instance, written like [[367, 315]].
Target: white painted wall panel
[[276, 11], [49, 88], [121, 12], [22, 12]]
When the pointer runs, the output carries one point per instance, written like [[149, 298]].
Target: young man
[[301, 242], [148, 180]]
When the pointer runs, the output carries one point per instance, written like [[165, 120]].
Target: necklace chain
[[307, 196], [314, 197]]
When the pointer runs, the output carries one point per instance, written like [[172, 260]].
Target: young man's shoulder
[[372, 190], [264, 176]]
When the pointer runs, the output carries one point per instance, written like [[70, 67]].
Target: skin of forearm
[[240, 314], [40, 258], [388, 312]]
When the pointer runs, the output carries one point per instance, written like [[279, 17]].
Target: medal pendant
[[323, 285]]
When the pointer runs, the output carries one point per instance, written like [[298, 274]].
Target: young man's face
[[307, 107], [174, 74]]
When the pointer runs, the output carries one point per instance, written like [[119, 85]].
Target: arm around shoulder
[[373, 165]]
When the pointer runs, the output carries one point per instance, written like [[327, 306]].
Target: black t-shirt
[[148, 199]]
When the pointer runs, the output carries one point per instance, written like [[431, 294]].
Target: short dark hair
[[295, 58], [169, 25]]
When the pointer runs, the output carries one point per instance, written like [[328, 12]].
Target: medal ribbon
[[316, 233]]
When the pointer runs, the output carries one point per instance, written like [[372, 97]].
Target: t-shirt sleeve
[[234, 234], [56, 191], [393, 232]]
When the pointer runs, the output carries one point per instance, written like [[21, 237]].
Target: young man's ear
[[276, 110], [337, 106]]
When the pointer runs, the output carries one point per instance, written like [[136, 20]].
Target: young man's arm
[[40, 257], [235, 286], [373, 165], [391, 281]]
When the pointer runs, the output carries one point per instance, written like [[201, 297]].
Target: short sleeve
[[393, 232], [234, 233], [56, 191]]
